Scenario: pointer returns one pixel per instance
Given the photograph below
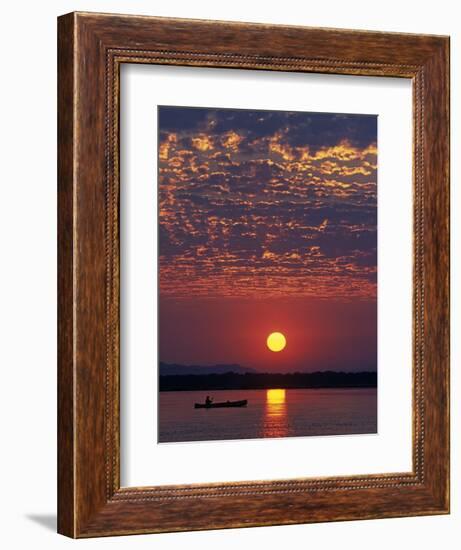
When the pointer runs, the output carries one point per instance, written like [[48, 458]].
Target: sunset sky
[[267, 222]]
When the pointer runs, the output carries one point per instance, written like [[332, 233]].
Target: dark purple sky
[[267, 221]]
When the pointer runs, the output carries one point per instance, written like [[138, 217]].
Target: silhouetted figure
[[208, 401]]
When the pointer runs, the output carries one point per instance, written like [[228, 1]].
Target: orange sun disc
[[276, 341]]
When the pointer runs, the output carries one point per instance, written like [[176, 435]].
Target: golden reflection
[[275, 397], [275, 417]]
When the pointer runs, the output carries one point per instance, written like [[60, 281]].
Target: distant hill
[[172, 369]]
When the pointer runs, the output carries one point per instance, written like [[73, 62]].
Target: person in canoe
[[210, 404]]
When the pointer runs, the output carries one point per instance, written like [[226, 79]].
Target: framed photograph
[[253, 275]]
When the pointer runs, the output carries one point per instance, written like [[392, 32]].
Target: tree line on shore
[[256, 381]]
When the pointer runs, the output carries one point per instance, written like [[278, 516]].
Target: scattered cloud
[[262, 203]]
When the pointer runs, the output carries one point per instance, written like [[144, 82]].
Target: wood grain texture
[[91, 49], [66, 487]]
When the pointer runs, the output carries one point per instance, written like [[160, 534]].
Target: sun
[[276, 341]]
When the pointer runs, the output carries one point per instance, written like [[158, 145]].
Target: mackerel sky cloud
[[267, 203]]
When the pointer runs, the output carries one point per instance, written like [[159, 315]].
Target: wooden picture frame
[[91, 49]]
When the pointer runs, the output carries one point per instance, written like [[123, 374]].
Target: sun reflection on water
[[275, 417], [275, 397]]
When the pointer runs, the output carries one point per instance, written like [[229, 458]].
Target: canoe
[[242, 403]]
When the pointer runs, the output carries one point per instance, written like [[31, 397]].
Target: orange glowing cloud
[[246, 216]]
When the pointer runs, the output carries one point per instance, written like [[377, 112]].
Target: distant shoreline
[[263, 381]]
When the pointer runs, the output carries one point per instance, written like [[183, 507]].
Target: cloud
[[252, 203]]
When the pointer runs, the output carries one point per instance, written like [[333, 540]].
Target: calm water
[[269, 413]]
